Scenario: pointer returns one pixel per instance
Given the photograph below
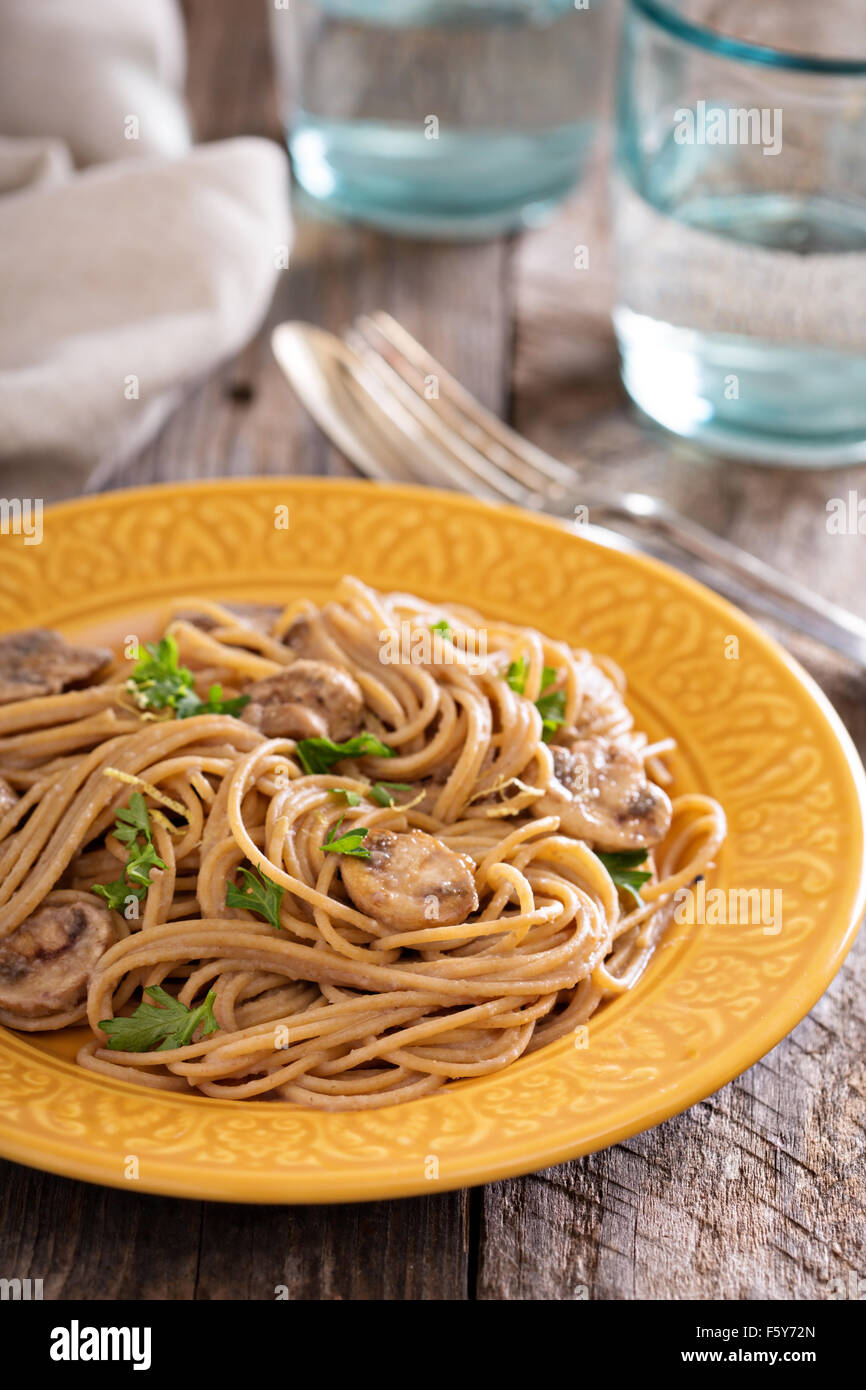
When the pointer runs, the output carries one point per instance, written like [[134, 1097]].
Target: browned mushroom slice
[[46, 963], [39, 662], [261, 616], [310, 699], [602, 795], [307, 638], [411, 880]]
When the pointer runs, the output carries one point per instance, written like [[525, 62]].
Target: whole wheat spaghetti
[[399, 846]]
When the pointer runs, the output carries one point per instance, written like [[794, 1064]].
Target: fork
[[398, 415]]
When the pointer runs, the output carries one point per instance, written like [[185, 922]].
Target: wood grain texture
[[757, 1192]]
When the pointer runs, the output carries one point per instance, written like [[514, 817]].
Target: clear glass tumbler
[[438, 117], [740, 216]]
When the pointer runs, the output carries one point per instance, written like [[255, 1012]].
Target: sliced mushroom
[[39, 662], [411, 880], [307, 638], [46, 963], [261, 616], [601, 794], [310, 699], [8, 797]]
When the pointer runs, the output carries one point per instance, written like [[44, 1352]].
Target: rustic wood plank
[[416, 1249], [451, 297], [229, 89], [91, 1242], [88, 1242], [758, 1192]]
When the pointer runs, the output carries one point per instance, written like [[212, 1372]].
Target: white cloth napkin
[[121, 282]]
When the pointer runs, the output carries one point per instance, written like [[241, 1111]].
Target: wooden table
[[754, 1193]]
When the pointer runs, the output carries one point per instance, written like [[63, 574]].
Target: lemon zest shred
[[526, 792], [165, 822], [133, 781]]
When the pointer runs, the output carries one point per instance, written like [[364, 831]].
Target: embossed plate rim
[[502, 1157]]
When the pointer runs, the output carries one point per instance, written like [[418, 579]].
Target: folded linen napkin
[[122, 282], [77, 71]]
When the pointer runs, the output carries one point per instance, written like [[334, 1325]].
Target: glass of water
[[740, 217], [438, 117]]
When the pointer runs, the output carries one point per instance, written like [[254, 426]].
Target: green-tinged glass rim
[[661, 13]]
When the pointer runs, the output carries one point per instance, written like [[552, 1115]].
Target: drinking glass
[[739, 193], [438, 117]]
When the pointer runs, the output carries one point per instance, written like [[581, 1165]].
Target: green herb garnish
[[159, 682], [443, 627], [550, 706], [168, 1023], [552, 710], [317, 755], [380, 792], [516, 675], [117, 892], [350, 842], [214, 704], [259, 894], [133, 820], [139, 865], [623, 869], [130, 825], [351, 798]]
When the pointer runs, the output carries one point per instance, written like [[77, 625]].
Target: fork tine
[[465, 465], [399, 427], [462, 429], [504, 447]]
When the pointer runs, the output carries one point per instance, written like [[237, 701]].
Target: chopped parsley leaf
[[259, 894], [158, 681], [317, 755], [167, 1023], [130, 824], [350, 842], [623, 869]]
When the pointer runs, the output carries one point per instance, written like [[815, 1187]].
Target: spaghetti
[[375, 847]]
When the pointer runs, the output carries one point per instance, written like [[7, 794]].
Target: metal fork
[[398, 415]]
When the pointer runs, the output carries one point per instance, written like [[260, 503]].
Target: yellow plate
[[753, 730]]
